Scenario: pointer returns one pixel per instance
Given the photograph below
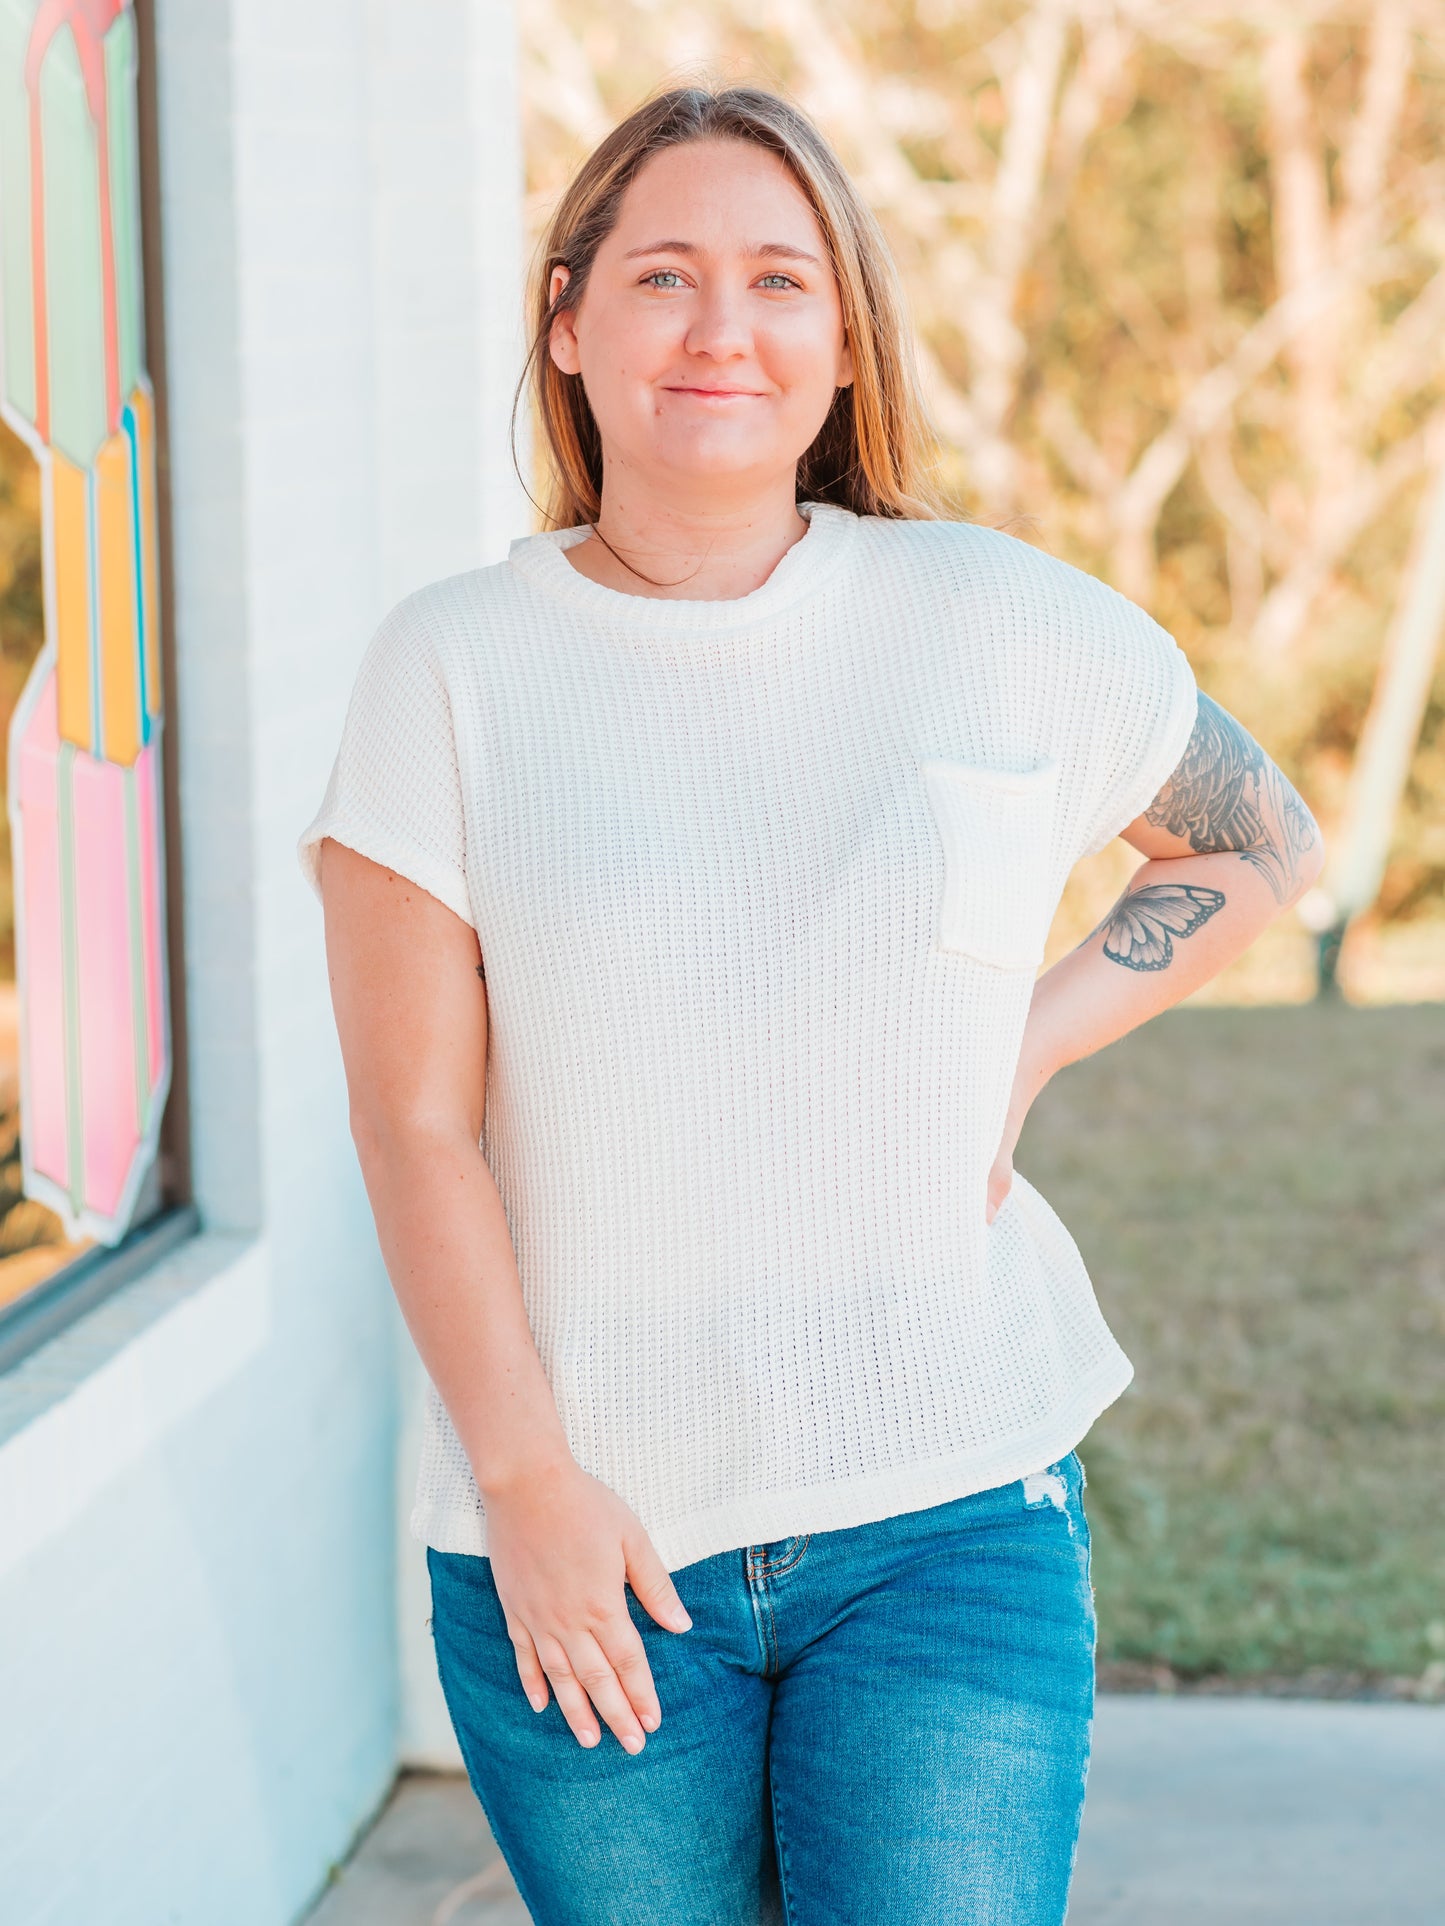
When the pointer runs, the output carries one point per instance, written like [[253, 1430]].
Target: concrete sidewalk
[[1263, 1812], [1201, 1812]]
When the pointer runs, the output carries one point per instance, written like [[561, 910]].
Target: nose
[[719, 326]]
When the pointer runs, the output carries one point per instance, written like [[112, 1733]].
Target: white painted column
[[445, 194]]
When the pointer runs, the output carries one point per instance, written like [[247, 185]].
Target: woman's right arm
[[411, 1013]]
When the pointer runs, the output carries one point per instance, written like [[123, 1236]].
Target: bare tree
[[1172, 264]]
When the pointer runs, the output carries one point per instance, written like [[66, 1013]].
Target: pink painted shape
[[107, 1025], [153, 936], [43, 1005]]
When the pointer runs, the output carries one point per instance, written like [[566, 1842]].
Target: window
[[86, 1053]]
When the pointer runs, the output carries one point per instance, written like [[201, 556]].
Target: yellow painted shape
[[71, 547], [145, 421], [119, 637]]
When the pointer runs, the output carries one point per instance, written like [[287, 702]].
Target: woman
[[731, 813]]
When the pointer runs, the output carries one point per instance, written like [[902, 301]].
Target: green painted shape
[[137, 953], [17, 301], [70, 972], [75, 306], [123, 127]]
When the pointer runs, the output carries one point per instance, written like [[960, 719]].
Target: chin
[[695, 458]]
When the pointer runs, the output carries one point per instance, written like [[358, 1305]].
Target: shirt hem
[[437, 879], [764, 1516]]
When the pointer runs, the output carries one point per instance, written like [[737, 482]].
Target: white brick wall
[[198, 1663]]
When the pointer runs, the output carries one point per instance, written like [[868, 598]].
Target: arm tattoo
[[1226, 796], [1141, 927]]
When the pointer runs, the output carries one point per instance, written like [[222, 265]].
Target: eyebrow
[[769, 250]]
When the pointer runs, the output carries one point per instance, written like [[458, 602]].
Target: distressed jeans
[[887, 1723]]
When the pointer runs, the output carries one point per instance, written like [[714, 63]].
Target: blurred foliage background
[[1177, 279], [1177, 275]]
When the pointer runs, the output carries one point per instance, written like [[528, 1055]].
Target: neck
[[700, 550]]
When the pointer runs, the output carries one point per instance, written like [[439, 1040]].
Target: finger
[[529, 1666], [624, 1651], [572, 1701], [999, 1183], [652, 1583], [598, 1677], [593, 1671]]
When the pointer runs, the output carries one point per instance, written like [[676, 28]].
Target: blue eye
[[666, 279]]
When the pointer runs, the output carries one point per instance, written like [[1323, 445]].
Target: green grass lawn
[[1259, 1195]]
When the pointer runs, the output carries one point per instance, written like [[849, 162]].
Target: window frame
[[42, 1313]]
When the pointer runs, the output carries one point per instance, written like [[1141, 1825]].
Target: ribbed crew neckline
[[801, 572]]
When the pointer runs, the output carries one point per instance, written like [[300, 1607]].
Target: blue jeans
[[888, 1723]]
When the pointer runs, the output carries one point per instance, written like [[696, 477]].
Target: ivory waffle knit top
[[762, 886]]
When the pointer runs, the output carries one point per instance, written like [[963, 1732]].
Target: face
[[709, 337]]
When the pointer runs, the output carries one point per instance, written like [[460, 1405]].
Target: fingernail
[[634, 1742], [590, 1738], [537, 1705], [682, 1621], [649, 1720]]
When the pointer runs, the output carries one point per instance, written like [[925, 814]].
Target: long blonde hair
[[874, 449]]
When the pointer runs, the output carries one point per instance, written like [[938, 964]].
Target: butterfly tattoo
[[1142, 925]]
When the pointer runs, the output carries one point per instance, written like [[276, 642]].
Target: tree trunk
[[1388, 736]]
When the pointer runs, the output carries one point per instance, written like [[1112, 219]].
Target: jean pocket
[[996, 827]]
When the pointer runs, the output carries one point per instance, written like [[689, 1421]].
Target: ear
[[562, 339], [845, 365]]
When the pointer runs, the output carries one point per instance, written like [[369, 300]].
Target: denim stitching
[[782, 1852], [772, 1632], [757, 1598], [794, 1557]]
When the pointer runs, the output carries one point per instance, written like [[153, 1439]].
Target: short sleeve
[[1122, 702], [395, 790]]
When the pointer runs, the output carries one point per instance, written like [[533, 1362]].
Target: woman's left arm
[[1229, 845]]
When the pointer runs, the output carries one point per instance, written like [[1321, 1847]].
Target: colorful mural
[[85, 738]]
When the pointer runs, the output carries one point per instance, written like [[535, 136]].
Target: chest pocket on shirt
[[995, 826]]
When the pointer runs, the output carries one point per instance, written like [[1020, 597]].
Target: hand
[[1030, 1076], [1001, 1172], [562, 1545]]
